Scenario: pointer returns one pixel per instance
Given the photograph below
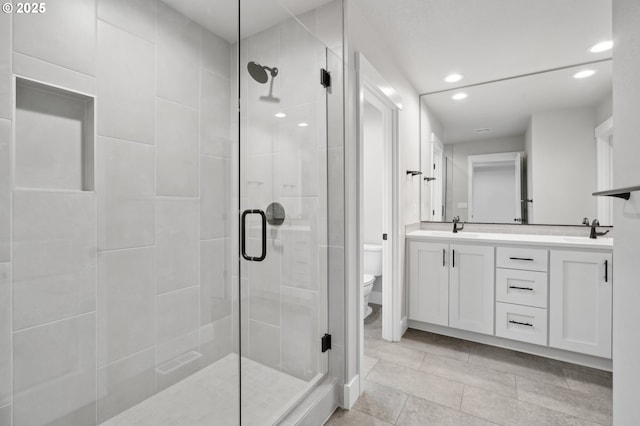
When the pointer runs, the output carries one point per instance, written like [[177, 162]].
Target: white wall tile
[[336, 197], [125, 186], [215, 197], [177, 243], [126, 303], [5, 415], [298, 156], [64, 35], [5, 191], [50, 139], [54, 264], [264, 344], [215, 114], [177, 314], [6, 96], [215, 276], [178, 61], [216, 340], [264, 282], [177, 129], [125, 383], [55, 371], [126, 85], [336, 295], [215, 53], [36, 69], [300, 242], [300, 332], [5, 334], [134, 16], [299, 57]]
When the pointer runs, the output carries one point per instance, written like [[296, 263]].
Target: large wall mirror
[[527, 149]]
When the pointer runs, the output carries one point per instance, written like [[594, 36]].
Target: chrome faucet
[[594, 234], [456, 220]]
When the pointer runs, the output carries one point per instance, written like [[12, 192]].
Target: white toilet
[[372, 268]]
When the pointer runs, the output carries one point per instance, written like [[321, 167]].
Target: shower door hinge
[[325, 78], [326, 342]]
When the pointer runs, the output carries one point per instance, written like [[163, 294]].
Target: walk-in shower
[[132, 137]]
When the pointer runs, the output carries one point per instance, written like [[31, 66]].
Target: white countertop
[[527, 239]]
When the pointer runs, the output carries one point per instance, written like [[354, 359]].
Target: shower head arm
[[273, 71]]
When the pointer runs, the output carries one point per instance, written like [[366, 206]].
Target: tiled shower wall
[[110, 286]]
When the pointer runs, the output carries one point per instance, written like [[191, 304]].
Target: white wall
[[563, 173], [429, 124], [493, 194], [459, 153], [528, 140], [362, 37], [626, 294], [373, 174], [604, 109]]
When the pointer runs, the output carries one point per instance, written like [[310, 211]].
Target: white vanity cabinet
[[580, 292], [429, 282], [452, 285], [471, 288]]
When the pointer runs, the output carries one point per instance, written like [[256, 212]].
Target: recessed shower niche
[[54, 138]]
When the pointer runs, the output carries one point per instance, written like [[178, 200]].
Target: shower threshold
[[210, 397]]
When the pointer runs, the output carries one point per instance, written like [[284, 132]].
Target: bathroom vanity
[[542, 294]]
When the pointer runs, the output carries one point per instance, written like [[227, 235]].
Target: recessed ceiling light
[[303, 124], [459, 96], [584, 74], [483, 130], [452, 78], [601, 47], [280, 115]]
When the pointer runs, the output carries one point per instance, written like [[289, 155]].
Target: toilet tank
[[373, 259]]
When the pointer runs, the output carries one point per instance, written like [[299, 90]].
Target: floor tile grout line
[[404, 404]]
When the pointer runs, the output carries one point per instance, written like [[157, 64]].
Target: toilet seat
[[368, 280]]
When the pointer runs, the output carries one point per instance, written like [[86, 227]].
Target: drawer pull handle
[[521, 323], [443, 257], [521, 288], [528, 259], [606, 271]]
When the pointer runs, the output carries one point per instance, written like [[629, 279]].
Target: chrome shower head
[[259, 72]]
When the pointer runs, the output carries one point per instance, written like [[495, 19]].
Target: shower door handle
[[243, 245]]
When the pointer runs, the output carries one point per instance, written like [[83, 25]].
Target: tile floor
[[428, 379], [210, 397]]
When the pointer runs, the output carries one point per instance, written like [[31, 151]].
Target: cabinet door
[[471, 288], [580, 291], [428, 282]]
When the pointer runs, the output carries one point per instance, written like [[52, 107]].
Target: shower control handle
[[243, 225]]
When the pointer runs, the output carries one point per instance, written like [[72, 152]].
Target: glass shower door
[[283, 205]]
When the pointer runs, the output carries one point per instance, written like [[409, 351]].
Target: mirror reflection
[[529, 149]]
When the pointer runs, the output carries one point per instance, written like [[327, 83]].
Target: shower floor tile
[[210, 397]]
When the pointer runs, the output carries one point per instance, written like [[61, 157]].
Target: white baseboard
[[404, 325], [375, 297], [544, 351], [351, 392]]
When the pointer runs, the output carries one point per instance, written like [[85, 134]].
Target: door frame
[[500, 158], [369, 79], [437, 189], [604, 170]]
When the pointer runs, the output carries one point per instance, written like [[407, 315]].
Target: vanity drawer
[[522, 258], [522, 323], [521, 287]]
